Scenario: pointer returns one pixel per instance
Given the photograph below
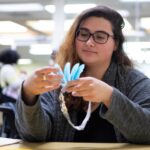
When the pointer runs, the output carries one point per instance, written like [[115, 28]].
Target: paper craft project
[[69, 75]]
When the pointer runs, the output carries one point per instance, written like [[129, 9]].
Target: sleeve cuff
[[109, 113]]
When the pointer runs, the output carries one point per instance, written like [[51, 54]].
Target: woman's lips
[[89, 51]]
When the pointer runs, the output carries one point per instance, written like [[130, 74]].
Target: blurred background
[[35, 28]]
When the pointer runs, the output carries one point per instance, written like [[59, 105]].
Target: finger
[[79, 87], [49, 82], [47, 70], [54, 77], [82, 80], [87, 98], [52, 87], [48, 88], [71, 88], [73, 83], [50, 77], [80, 93]]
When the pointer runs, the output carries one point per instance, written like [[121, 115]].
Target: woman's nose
[[90, 41]]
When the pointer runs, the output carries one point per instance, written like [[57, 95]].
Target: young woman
[[120, 95]]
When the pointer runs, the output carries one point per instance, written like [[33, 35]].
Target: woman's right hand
[[42, 80]]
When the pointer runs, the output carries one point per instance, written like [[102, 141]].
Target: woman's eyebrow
[[94, 31]]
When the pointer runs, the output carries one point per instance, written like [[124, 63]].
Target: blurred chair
[[7, 107]]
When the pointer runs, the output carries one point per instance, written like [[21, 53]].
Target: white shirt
[[10, 80]]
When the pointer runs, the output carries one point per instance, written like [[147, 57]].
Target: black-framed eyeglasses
[[100, 37]]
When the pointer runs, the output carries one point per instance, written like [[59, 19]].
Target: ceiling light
[[48, 25], [77, 8], [6, 41], [42, 25], [9, 26], [21, 7], [70, 8], [50, 8], [24, 61], [131, 1]]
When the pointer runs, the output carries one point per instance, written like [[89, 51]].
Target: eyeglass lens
[[98, 36]]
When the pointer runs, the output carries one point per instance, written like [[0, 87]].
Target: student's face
[[91, 52]]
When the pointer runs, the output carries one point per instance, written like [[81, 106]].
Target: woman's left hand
[[91, 89]]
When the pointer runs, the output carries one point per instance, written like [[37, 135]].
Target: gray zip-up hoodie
[[129, 111]]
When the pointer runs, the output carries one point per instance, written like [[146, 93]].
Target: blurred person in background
[[10, 77]]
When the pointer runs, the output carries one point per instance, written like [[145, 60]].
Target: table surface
[[20, 145]]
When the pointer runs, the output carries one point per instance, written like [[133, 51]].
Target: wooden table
[[73, 146]]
